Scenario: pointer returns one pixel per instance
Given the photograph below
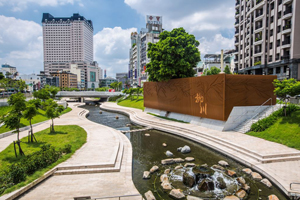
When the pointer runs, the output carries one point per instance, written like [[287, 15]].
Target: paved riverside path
[[100, 168], [274, 161]]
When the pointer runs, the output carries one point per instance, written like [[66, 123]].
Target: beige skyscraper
[[267, 37]]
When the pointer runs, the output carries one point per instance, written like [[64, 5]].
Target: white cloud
[[22, 44], [19, 5], [111, 48], [207, 20]]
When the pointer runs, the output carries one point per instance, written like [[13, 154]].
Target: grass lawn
[[74, 135], [286, 131], [136, 102], [39, 118]]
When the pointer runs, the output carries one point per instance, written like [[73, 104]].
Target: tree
[[211, 71], [52, 111], [13, 118], [173, 56], [114, 85], [20, 85], [42, 94], [120, 84], [286, 88], [139, 91], [227, 70], [29, 114], [1, 76]]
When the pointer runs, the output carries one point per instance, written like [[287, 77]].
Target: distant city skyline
[[212, 23]]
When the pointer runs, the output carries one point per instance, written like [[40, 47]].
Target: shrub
[[17, 173], [114, 98]]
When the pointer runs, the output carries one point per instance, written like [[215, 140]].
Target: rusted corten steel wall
[[209, 96]]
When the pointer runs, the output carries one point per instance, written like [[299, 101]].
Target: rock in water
[[178, 160], [206, 185], [241, 180], [179, 149], [189, 197], [189, 165], [128, 125], [167, 171], [189, 178], [247, 171], [164, 178], [147, 134], [189, 159], [221, 183], [231, 173], [149, 195], [178, 167], [164, 144], [246, 188], [241, 193], [169, 153], [223, 163], [146, 175], [218, 167], [168, 161], [202, 172], [185, 149], [231, 198], [256, 176], [177, 194], [273, 197], [153, 169], [166, 185], [266, 182]]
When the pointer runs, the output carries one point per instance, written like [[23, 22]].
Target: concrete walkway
[[277, 162], [101, 168]]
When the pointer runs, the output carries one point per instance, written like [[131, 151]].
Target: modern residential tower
[[267, 37]]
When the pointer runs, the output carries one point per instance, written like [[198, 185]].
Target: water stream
[[149, 151]]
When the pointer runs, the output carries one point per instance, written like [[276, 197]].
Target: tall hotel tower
[[267, 37], [66, 40]]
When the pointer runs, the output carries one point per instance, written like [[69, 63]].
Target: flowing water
[[149, 151]]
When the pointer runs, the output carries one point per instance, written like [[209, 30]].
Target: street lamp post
[[287, 73]]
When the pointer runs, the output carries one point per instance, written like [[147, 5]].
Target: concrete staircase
[[246, 125]]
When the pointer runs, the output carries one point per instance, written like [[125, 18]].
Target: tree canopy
[[286, 87], [227, 70], [211, 71], [173, 56]]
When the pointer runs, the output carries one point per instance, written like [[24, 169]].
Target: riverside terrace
[[80, 95]]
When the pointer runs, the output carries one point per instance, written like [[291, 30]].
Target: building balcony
[[237, 4], [236, 32], [287, 26], [258, 1], [236, 41], [285, 42], [258, 41], [287, 11], [237, 22], [236, 60], [285, 57], [257, 51], [287, 1]]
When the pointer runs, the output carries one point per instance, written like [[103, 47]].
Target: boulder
[[167, 171], [206, 185], [202, 172], [154, 169], [256, 176], [204, 165], [241, 193], [189, 165], [128, 125], [246, 188], [189, 197], [189, 159], [247, 171], [231, 198], [231, 173], [166, 185], [146, 175], [178, 160], [164, 178], [185, 149], [168, 161], [273, 197], [223, 163], [176, 194], [266, 182], [218, 167], [149, 195], [221, 183], [178, 167], [179, 149], [147, 134], [189, 178], [164, 144], [169, 153], [241, 180]]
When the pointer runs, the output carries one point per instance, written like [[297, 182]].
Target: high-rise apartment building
[[68, 41], [138, 51], [267, 37]]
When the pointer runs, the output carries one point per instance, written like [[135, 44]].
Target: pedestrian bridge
[[82, 94]]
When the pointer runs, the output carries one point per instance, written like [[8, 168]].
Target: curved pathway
[[102, 167], [277, 162]]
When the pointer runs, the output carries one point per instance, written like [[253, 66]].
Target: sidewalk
[[100, 168], [277, 162]]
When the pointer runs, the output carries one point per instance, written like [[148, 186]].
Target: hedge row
[[30, 164], [265, 123]]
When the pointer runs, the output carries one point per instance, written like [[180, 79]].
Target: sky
[[21, 40]]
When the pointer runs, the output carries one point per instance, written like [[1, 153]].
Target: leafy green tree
[[1, 76], [139, 91], [29, 113], [131, 92], [20, 85], [211, 71], [13, 119], [120, 84], [285, 88], [227, 70], [173, 56], [42, 94], [53, 111]]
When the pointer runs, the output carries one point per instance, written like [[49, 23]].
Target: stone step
[[86, 171]]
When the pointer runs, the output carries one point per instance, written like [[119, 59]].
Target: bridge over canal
[[84, 94]]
